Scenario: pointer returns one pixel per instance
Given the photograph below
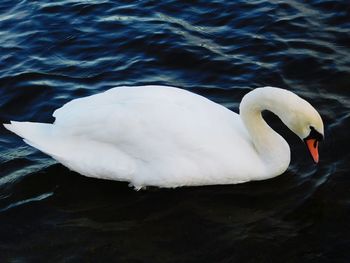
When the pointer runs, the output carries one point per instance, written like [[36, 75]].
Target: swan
[[169, 137]]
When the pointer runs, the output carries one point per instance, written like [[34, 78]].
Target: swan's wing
[[161, 112]]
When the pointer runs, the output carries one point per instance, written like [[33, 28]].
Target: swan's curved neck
[[270, 146]]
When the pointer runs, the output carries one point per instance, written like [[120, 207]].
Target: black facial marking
[[314, 135]]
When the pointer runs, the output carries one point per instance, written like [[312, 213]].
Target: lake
[[55, 51]]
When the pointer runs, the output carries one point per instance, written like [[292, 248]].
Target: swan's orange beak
[[312, 145]]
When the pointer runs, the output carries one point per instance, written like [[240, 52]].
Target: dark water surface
[[54, 51]]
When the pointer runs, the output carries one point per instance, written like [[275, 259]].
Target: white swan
[[169, 137]]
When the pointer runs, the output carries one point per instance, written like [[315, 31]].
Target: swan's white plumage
[[153, 135]]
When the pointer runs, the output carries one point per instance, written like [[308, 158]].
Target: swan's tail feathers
[[38, 135], [29, 130]]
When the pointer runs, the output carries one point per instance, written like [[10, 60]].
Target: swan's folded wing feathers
[[79, 105]]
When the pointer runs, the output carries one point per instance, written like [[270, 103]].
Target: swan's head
[[306, 122], [294, 111]]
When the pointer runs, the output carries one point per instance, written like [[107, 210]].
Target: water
[[55, 51]]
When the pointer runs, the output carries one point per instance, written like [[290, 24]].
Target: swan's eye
[[314, 134]]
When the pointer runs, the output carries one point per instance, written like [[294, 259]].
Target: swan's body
[[169, 137]]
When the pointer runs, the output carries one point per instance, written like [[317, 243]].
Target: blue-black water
[[55, 51]]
